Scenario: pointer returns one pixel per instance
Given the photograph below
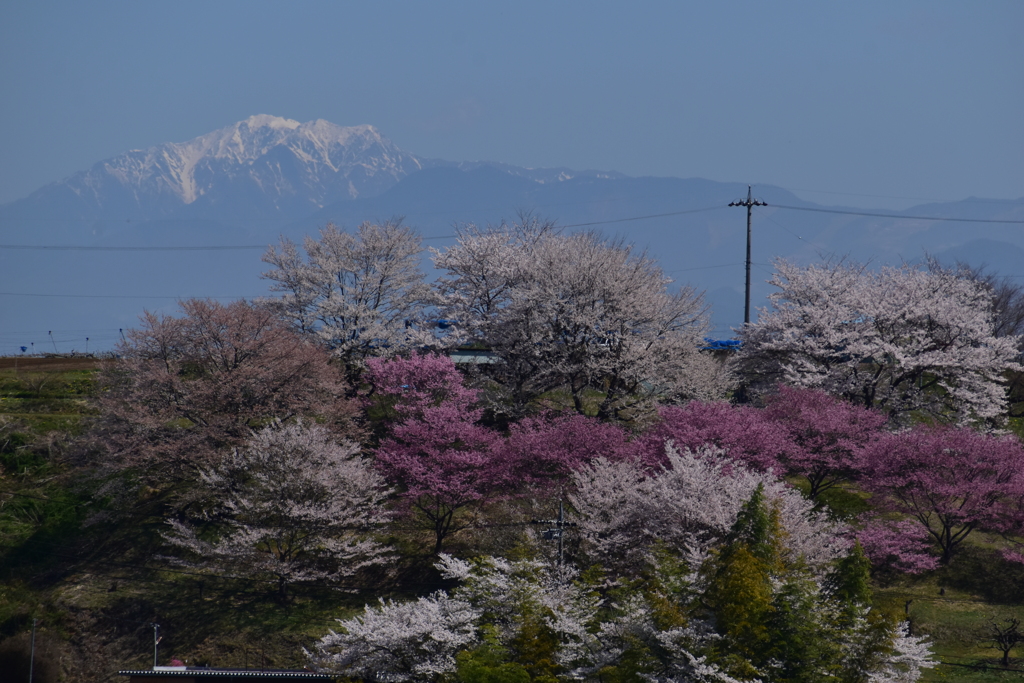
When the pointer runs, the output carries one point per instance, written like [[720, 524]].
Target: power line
[[240, 247], [182, 572], [50, 547], [972, 200], [859, 194], [892, 215], [640, 218], [79, 247], [47, 500], [392, 526], [721, 265], [799, 237], [127, 296], [980, 667]]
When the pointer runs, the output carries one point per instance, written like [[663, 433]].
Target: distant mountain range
[[265, 165], [256, 180]]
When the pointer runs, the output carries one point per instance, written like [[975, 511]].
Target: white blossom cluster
[[400, 641], [355, 292], [291, 506], [689, 505], [900, 339], [417, 641], [688, 508], [576, 311]]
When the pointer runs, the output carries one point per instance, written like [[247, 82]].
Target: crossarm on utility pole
[[559, 527]]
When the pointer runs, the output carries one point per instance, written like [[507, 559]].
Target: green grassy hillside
[[80, 554]]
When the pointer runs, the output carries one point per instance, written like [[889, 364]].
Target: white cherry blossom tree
[[356, 292], [688, 505], [910, 655], [400, 641], [572, 311], [899, 339], [657, 631], [290, 506]]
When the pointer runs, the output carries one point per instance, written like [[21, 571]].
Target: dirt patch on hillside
[[55, 364]]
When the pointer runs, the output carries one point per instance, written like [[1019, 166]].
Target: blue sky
[[902, 101]]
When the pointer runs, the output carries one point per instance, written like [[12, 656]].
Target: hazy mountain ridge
[[259, 179], [265, 168], [278, 164]]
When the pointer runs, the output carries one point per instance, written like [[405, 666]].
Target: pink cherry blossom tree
[[741, 431], [827, 436], [185, 390], [902, 546], [443, 462], [950, 481], [420, 381], [544, 451]]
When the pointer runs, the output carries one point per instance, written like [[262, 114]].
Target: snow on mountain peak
[[312, 162], [268, 121]]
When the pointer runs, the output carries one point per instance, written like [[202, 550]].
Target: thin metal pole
[[156, 642], [746, 300], [561, 529], [32, 654]]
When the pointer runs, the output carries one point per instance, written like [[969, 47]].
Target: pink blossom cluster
[[938, 484], [901, 546]]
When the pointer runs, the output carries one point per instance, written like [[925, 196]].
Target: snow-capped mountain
[[251, 183], [264, 163]]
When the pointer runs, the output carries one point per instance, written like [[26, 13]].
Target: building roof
[[473, 356], [186, 673]]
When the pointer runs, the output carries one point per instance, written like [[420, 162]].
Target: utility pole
[[156, 642], [32, 654], [559, 528], [749, 203]]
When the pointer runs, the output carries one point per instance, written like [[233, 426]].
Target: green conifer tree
[[850, 582], [489, 662], [740, 588]]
